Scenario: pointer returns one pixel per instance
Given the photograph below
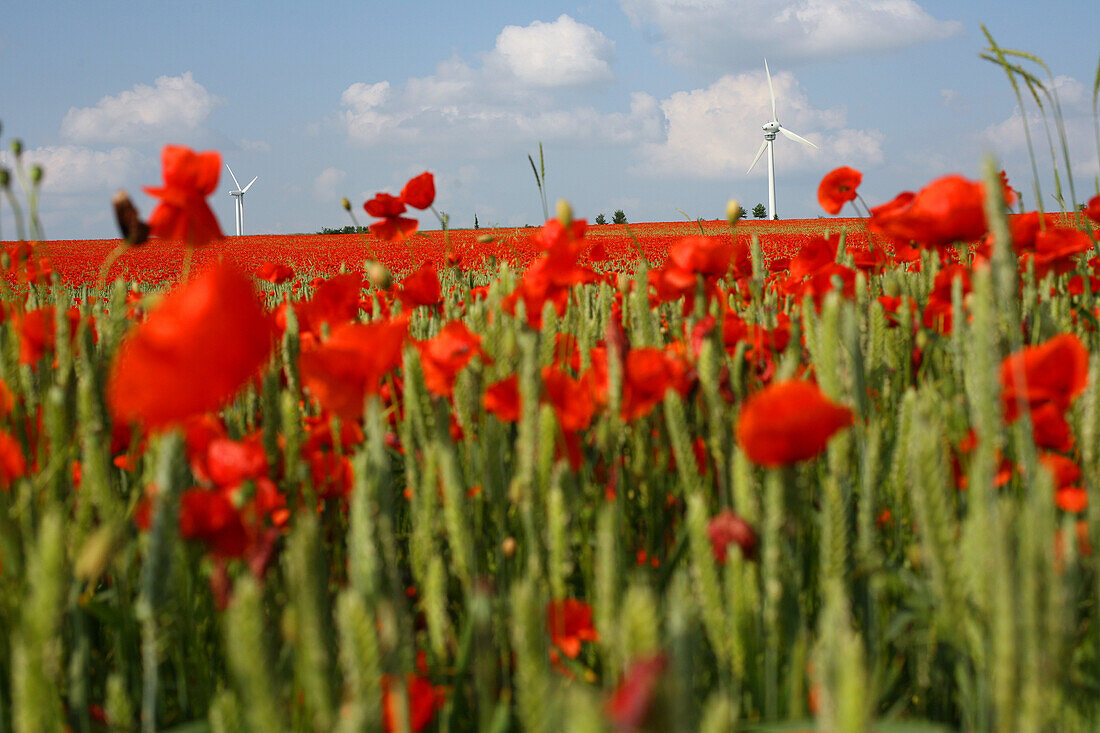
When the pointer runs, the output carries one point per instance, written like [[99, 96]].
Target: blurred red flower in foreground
[[347, 367], [837, 188], [947, 210], [629, 703], [421, 287], [422, 698], [788, 422], [1092, 210], [389, 209], [183, 213], [13, 464], [569, 622], [502, 399], [726, 527], [274, 272], [1056, 371], [445, 355], [419, 192], [201, 344]]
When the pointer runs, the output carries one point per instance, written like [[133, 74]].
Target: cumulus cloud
[[1006, 138], [717, 32], [75, 169], [173, 105], [326, 186], [561, 53], [715, 132]]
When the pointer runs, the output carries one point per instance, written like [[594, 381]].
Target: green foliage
[[349, 229], [601, 219], [759, 211], [619, 217]]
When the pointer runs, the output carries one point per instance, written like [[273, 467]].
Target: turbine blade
[[234, 177], [759, 152], [770, 90], [796, 138], [249, 185]]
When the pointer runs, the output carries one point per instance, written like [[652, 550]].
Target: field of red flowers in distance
[[77, 261]]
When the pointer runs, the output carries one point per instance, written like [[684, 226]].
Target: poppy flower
[[36, 329], [274, 272], [707, 256], [419, 192], [347, 367], [445, 355], [335, 302], [1054, 371], [647, 374], [789, 422], [1092, 209], [502, 399], [13, 464], [572, 404], [727, 527], [947, 210], [183, 213], [230, 462], [1056, 250], [194, 352], [569, 623], [422, 699], [421, 288], [837, 188], [210, 517], [389, 209], [630, 702]]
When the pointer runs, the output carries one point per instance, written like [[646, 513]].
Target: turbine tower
[[239, 194], [770, 130]]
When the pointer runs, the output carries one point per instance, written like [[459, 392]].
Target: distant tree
[[619, 217], [601, 219], [741, 213], [475, 222], [759, 211], [349, 229]]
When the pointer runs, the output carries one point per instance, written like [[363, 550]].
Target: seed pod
[[345, 203], [37, 173], [16, 147], [133, 229], [564, 212], [733, 211]]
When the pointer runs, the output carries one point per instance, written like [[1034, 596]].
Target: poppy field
[[702, 476]]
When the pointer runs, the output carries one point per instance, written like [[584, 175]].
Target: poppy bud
[[564, 212], [16, 147], [36, 174], [508, 546], [133, 229], [733, 211], [5, 261], [345, 203], [379, 275], [5, 178], [485, 239]]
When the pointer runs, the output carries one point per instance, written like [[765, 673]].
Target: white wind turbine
[[239, 194], [770, 129]]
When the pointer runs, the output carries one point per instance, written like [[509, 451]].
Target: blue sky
[[645, 105]]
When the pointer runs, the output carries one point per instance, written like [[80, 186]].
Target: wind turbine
[[770, 130], [239, 193]]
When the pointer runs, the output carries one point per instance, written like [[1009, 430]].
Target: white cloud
[[326, 186], [561, 53], [715, 132], [717, 32], [254, 146], [75, 169], [174, 105]]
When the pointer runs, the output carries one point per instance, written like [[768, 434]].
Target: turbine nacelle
[[771, 128]]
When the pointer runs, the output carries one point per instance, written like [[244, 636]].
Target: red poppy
[[210, 517], [837, 188], [629, 703], [419, 192], [1092, 209], [727, 527], [789, 422], [422, 699], [947, 210], [572, 404], [203, 342], [421, 288], [1072, 499], [1057, 248], [389, 209], [445, 355], [274, 272], [647, 374], [347, 367], [335, 302], [36, 329], [230, 462], [502, 399], [13, 464], [183, 213], [707, 256], [1054, 371], [569, 623]]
